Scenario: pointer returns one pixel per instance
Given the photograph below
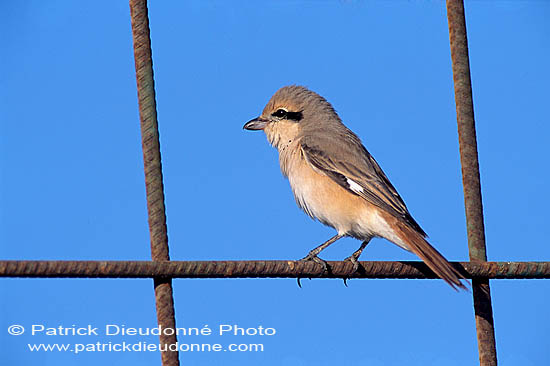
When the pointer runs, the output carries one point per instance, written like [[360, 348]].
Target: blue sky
[[72, 187]]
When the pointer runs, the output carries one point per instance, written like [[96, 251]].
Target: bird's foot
[[353, 259], [356, 265], [313, 257]]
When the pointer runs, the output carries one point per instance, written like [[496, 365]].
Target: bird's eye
[[280, 113]]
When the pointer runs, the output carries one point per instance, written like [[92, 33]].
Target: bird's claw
[[356, 265], [300, 283], [354, 261], [316, 259]]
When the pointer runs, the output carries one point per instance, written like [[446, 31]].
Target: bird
[[335, 179]]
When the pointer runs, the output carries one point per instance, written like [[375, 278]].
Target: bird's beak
[[256, 124]]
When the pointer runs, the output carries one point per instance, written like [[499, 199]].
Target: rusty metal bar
[[471, 179], [264, 269], [153, 173]]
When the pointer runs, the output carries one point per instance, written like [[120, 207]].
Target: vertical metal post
[[153, 174], [470, 178]]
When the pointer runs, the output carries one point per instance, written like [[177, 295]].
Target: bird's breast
[[320, 197]]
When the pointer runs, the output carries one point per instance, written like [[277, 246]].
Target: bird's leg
[[355, 256], [312, 256]]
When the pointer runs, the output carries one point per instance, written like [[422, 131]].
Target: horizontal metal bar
[[251, 269]]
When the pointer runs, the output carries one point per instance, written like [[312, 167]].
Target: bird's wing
[[361, 175]]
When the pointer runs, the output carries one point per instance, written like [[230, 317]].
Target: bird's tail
[[433, 259]]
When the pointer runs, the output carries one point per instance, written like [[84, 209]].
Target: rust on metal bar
[[471, 179], [153, 172], [264, 269]]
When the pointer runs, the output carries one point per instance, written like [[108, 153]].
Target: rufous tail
[[433, 259]]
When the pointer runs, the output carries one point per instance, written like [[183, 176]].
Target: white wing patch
[[354, 186]]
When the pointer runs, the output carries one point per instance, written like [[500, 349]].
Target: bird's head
[[290, 112]]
